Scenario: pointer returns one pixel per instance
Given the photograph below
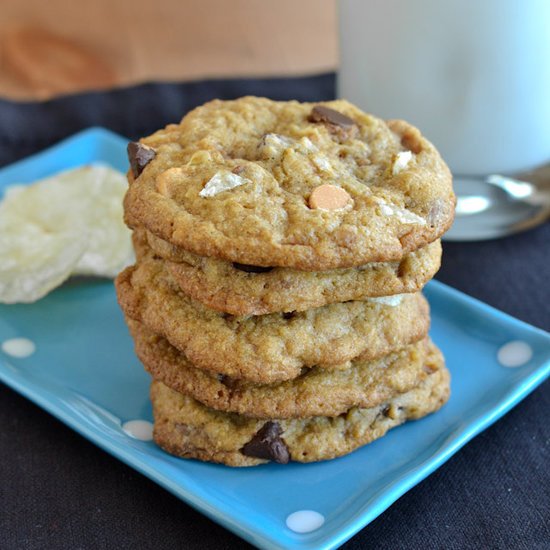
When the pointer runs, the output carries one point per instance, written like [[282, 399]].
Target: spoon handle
[[539, 177]]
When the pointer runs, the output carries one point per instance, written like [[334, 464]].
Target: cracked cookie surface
[[268, 348], [235, 180], [316, 392], [247, 290], [186, 428]]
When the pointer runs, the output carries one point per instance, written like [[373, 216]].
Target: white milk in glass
[[473, 75]]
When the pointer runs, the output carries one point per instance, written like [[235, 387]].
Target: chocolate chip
[[251, 268], [320, 113], [227, 381], [289, 314], [267, 444], [404, 267], [140, 156]]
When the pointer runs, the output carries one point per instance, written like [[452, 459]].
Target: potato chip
[[70, 223]]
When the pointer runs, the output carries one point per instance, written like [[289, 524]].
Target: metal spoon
[[495, 206]]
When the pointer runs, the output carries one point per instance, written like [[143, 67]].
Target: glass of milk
[[474, 76]]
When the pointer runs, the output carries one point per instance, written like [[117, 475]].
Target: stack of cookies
[[276, 300]]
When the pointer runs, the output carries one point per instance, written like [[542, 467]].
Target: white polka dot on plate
[[514, 354], [304, 521], [139, 429], [18, 347]]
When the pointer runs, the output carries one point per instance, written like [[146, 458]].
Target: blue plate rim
[[369, 511], [53, 404], [93, 132]]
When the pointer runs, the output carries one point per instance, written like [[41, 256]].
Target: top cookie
[[308, 186]]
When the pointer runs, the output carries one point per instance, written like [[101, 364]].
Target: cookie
[[268, 348], [251, 290], [186, 428], [268, 183], [316, 392]]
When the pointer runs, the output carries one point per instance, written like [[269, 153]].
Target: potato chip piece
[[109, 240], [70, 223], [34, 261]]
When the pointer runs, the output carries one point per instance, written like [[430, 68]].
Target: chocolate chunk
[[320, 113], [267, 444], [289, 314], [251, 268], [140, 156]]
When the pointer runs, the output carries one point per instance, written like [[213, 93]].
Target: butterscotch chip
[[250, 203], [166, 180], [329, 197]]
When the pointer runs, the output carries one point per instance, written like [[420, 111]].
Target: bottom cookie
[[186, 428]]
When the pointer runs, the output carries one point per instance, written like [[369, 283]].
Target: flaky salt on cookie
[[308, 186]]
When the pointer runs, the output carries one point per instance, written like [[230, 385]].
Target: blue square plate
[[85, 373]]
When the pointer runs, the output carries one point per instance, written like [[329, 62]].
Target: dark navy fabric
[[57, 490], [133, 112]]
